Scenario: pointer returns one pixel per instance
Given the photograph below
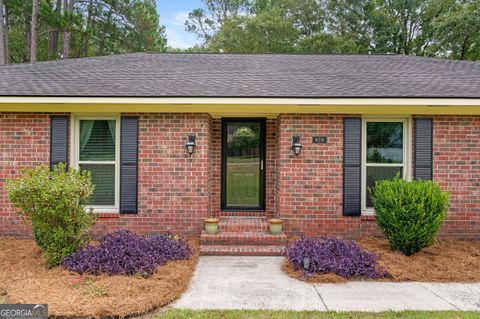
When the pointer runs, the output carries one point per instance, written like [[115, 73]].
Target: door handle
[[261, 165]]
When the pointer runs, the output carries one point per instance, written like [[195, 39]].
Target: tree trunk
[[28, 38], [53, 40], [7, 37], [86, 39], [33, 42], [464, 48], [68, 7], [3, 59]]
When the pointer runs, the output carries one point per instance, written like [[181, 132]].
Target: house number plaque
[[319, 139]]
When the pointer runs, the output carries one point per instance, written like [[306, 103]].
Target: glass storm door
[[243, 164]]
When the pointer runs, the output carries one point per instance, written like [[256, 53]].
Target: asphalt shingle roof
[[244, 75]]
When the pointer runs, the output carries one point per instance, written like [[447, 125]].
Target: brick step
[[257, 238], [241, 250], [239, 214], [242, 224]]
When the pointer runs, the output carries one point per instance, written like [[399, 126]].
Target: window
[[96, 150], [384, 153]]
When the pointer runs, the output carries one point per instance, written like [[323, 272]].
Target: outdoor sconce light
[[306, 262], [296, 145], [190, 144]]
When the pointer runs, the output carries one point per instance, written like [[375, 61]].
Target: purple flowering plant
[[331, 255], [126, 253]]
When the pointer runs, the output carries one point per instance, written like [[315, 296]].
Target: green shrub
[[409, 213], [54, 201]]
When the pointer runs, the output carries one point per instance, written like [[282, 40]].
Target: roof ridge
[[132, 54], [97, 57]]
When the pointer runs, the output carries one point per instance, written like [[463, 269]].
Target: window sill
[[101, 215], [104, 209], [368, 216]]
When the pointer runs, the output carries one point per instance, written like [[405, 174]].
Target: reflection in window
[[384, 142], [242, 167], [385, 149]]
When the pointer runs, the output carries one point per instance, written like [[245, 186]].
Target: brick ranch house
[[127, 119]]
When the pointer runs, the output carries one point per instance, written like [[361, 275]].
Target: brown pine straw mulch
[[24, 278], [447, 260]]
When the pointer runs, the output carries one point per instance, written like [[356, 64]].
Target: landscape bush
[[126, 253], [409, 213], [344, 258], [54, 202]]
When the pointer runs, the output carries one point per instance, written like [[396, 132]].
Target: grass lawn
[[246, 314], [243, 182], [237, 160]]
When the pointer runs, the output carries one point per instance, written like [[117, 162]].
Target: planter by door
[[276, 226], [211, 226]]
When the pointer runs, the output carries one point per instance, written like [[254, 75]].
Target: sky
[[173, 14]]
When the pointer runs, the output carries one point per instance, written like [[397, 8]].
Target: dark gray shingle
[[244, 75]]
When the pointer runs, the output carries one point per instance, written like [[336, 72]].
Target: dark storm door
[[243, 164]]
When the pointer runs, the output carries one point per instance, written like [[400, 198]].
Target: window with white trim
[[385, 153], [96, 149]]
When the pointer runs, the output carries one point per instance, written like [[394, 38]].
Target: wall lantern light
[[190, 144], [296, 145], [306, 263]]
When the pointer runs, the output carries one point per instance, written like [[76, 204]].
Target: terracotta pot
[[276, 225], [211, 225]]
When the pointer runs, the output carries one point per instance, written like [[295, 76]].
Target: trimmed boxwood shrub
[[54, 201], [409, 213], [344, 258], [125, 253]]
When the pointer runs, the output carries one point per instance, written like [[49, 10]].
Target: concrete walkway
[[259, 283]]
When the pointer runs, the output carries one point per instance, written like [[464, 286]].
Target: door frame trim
[[263, 149]]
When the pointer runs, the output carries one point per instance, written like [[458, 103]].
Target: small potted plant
[[276, 225], [211, 225]]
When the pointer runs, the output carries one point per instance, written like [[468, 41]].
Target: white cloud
[[178, 41], [177, 37], [176, 19]]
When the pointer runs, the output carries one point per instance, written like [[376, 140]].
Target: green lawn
[[243, 183], [236, 160], [246, 314]]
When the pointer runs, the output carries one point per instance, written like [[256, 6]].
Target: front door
[[243, 164]]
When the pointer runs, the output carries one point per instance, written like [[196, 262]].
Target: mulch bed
[[25, 279], [445, 261]]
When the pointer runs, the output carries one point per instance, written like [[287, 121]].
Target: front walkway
[[222, 282]]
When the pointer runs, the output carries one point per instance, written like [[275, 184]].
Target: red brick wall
[[24, 142], [310, 185], [456, 166], [309, 189], [271, 166], [176, 191], [215, 160], [173, 187]]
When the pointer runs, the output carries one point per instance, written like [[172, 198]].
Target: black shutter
[[423, 144], [128, 164], [352, 166], [59, 126]]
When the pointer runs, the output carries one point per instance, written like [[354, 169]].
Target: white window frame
[[74, 148], [407, 154]]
